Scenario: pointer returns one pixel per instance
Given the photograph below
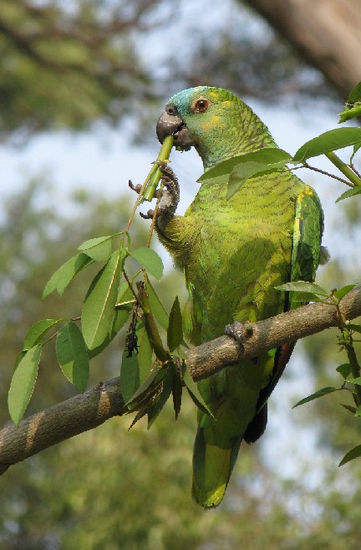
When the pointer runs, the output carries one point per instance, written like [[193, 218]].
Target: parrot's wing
[[306, 239], [305, 258]]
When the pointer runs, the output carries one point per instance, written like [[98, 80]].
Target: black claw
[[166, 170], [235, 331], [135, 188], [148, 216], [239, 331]]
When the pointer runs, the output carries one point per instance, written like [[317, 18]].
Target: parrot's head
[[213, 120]]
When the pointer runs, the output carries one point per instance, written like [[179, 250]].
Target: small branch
[[90, 409], [346, 170], [324, 172]]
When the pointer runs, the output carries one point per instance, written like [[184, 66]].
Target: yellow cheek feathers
[[211, 122]]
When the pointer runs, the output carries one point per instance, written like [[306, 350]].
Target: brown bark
[[92, 408], [326, 33]]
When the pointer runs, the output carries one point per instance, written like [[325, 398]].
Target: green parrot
[[234, 252]]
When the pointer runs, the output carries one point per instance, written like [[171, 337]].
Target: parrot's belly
[[239, 256]]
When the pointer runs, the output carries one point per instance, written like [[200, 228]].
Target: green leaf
[[72, 356], [305, 297], [99, 248], [349, 408], [266, 156], [358, 411], [328, 141], [177, 387], [349, 193], [316, 395], [344, 370], [352, 326], [156, 306], [350, 112], [66, 273], [121, 316], [98, 309], [341, 292], [351, 455], [142, 412], [242, 172], [352, 105], [129, 375], [195, 393], [303, 286], [356, 148], [158, 403], [149, 259], [23, 382], [356, 381], [355, 94], [149, 387], [175, 328], [38, 330]]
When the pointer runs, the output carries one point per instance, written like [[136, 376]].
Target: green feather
[[234, 252]]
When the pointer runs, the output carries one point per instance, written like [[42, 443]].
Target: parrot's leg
[[170, 196], [239, 331]]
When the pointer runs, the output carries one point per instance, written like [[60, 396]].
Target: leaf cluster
[[350, 372], [121, 293]]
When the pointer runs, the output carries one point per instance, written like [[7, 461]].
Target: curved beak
[[171, 124]]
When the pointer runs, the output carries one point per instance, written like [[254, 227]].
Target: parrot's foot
[[170, 197], [239, 331]]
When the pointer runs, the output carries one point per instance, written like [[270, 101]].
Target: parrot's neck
[[242, 134]]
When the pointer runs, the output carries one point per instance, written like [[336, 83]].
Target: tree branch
[[62, 421], [90, 409], [326, 40]]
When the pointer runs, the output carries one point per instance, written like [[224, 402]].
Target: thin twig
[[131, 287], [352, 166], [306, 165]]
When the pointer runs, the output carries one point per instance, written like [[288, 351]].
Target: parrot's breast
[[241, 250]]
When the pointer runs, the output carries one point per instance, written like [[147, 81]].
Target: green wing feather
[[305, 258], [307, 235]]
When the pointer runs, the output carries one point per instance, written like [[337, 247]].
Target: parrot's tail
[[212, 468], [213, 464]]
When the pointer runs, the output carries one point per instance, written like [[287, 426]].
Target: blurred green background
[[74, 76]]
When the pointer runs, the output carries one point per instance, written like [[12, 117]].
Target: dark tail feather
[[257, 426]]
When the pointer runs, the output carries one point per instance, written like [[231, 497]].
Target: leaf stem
[[131, 287], [346, 170], [155, 174], [347, 343], [355, 367]]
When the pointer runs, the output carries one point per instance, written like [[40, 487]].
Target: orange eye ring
[[201, 105]]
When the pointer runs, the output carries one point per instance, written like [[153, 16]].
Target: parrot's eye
[[201, 105]]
